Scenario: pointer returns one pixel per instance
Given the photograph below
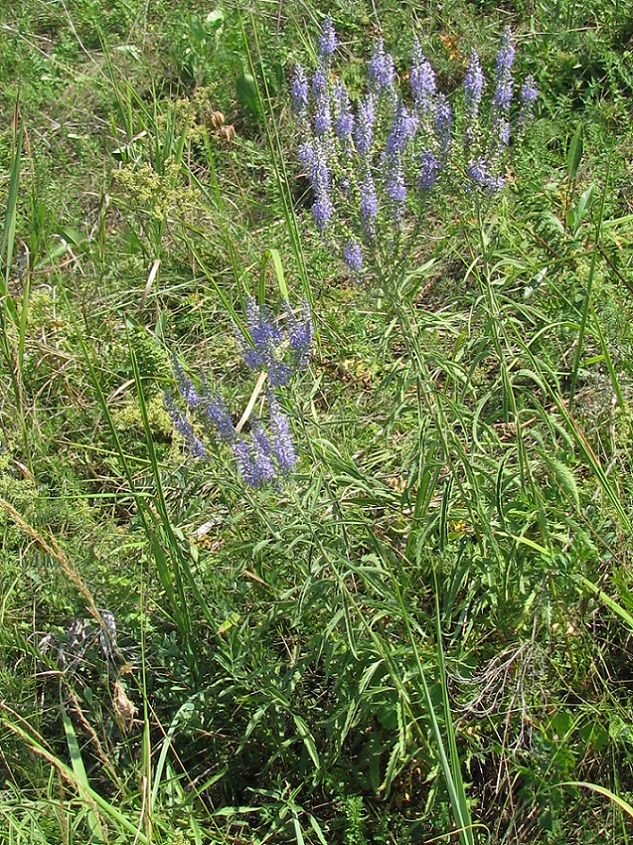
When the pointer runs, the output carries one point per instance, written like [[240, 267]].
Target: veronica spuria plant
[[375, 165], [276, 347]]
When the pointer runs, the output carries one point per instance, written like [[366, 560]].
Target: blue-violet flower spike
[[503, 73], [353, 256], [344, 125], [282, 444], [443, 125], [368, 203], [216, 412], [422, 80], [185, 386], [299, 91], [184, 428], [473, 83], [327, 39], [429, 169], [381, 72], [322, 112], [300, 334], [403, 129], [364, 133]]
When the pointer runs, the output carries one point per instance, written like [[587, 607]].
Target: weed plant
[[392, 601]]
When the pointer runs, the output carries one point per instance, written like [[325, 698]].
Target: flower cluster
[[278, 350], [374, 163], [265, 454]]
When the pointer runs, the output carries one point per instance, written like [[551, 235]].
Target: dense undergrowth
[[423, 632]]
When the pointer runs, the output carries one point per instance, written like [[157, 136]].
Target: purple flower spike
[[216, 412], [300, 334], [368, 203], [306, 156], [443, 125], [529, 91], [396, 190], [267, 336], [527, 95], [344, 125], [473, 84], [503, 73], [327, 40], [480, 175], [185, 386], [322, 212], [422, 80], [381, 68], [184, 428], [429, 169], [299, 91], [403, 130], [253, 460], [364, 134], [505, 56], [353, 256], [322, 112], [282, 445], [322, 209]]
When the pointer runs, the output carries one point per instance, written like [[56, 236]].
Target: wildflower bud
[[227, 134], [216, 119]]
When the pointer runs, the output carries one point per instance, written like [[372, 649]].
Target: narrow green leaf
[[574, 152], [602, 790]]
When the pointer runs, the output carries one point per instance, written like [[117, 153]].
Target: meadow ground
[[316, 422]]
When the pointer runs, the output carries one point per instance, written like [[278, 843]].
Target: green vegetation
[[424, 633]]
